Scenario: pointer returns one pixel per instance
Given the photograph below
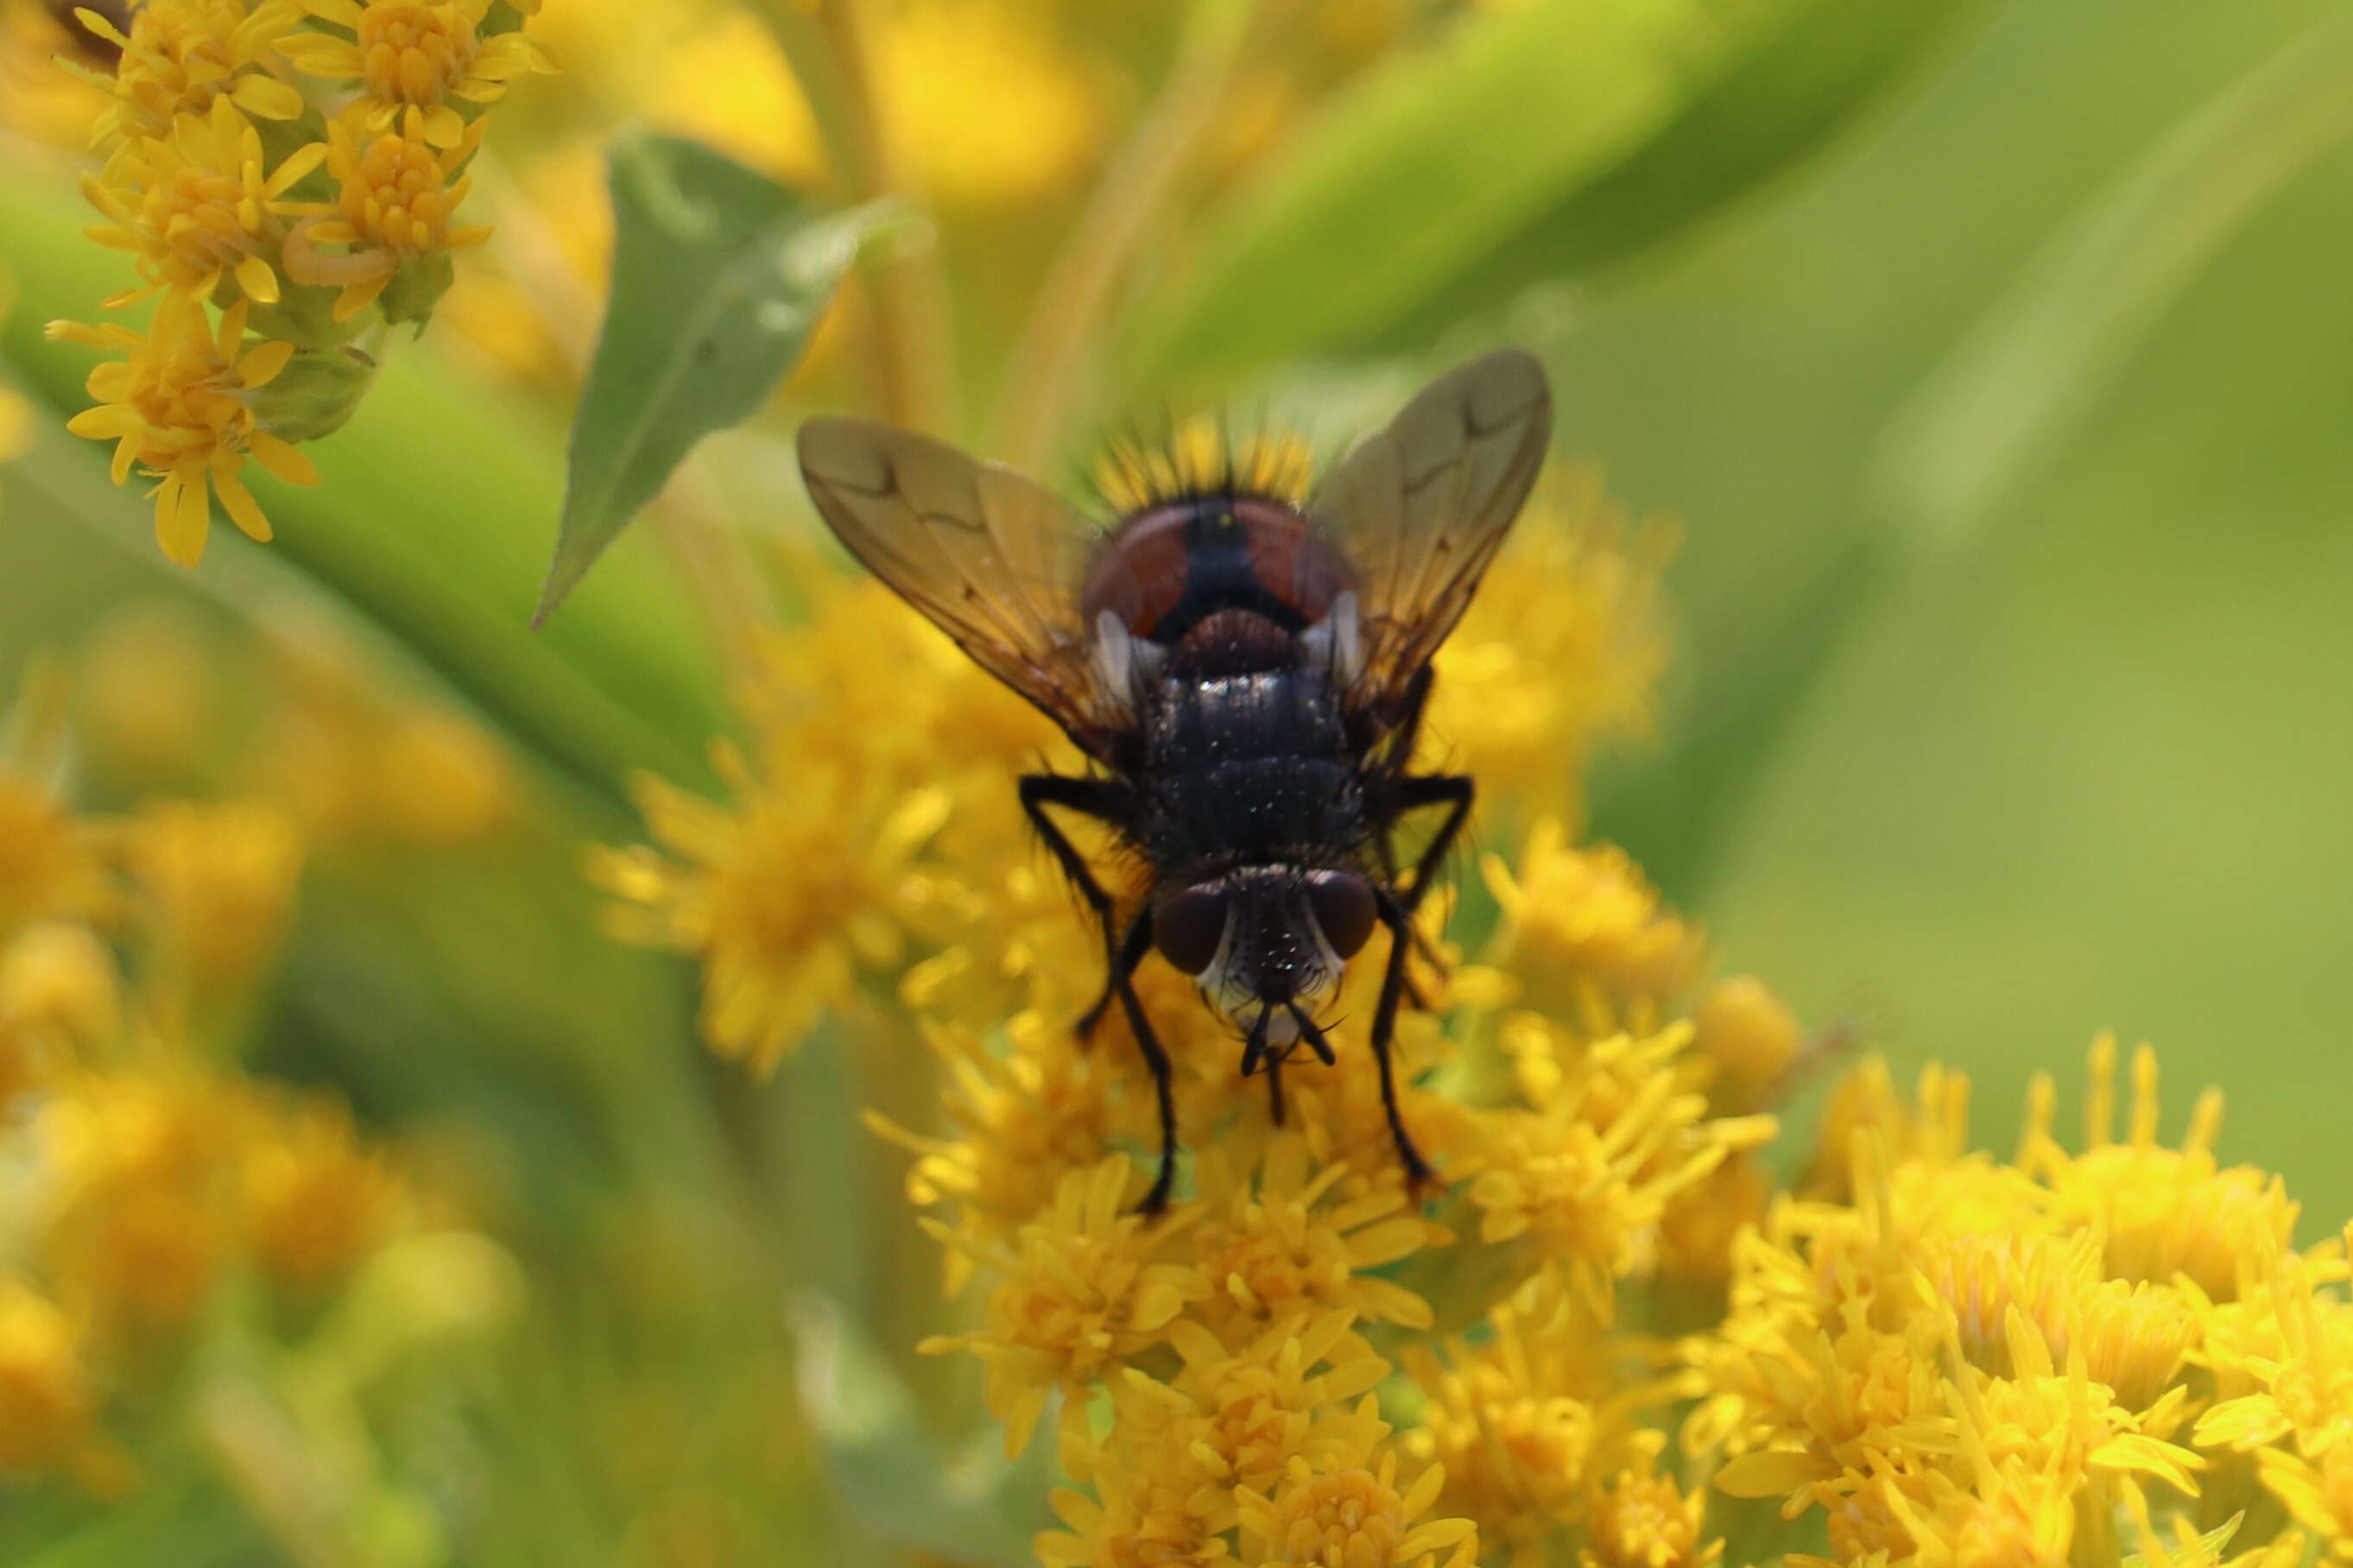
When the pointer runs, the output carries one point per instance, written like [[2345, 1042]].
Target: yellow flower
[[1585, 1177], [398, 196], [1285, 1237], [780, 897], [1345, 1510], [412, 55], [2303, 1374], [1643, 1520], [1026, 1117], [1164, 1478], [1527, 1421], [2163, 1211], [178, 409], [1579, 921], [180, 56], [1082, 1288], [195, 205], [2320, 1495]]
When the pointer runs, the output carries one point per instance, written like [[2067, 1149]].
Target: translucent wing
[[996, 561], [1421, 506]]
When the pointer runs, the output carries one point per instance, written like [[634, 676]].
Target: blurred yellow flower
[[215, 883], [411, 55], [944, 71], [178, 408], [47, 1406], [316, 1199], [143, 1211], [1558, 653], [60, 998], [49, 865], [780, 897]]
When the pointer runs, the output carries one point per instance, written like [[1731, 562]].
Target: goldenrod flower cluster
[[1628, 1333], [286, 175], [163, 1212]]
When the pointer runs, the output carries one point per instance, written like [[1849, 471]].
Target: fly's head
[[1266, 945]]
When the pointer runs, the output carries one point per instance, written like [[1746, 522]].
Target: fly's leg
[[1274, 1088], [1454, 792], [1395, 915], [1130, 953], [1106, 802]]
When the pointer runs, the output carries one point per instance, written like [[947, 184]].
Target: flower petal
[[238, 501], [280, 458]]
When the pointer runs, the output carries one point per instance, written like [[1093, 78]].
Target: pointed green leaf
[[718, 276]]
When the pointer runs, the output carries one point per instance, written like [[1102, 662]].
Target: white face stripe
[[1233, 1000]]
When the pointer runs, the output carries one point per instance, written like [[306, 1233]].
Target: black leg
[[1131, 949], [1453, 791], [1107, 802], [1394, 915], [1405, 794], [1274, 1087]]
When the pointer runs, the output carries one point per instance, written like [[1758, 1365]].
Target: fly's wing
[[996, 561], [1420, 508]]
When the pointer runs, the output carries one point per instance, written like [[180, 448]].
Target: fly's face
[[1267, 946]]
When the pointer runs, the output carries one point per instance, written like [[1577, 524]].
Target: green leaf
[[1539, 142], [718, 276], [1801, 76]]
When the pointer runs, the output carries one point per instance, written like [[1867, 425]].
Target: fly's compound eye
[[1190, 926], [1343, 908]]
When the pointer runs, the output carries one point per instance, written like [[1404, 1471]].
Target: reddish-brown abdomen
[[1207, 555]]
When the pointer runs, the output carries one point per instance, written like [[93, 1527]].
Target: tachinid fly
[[1247, 676]]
